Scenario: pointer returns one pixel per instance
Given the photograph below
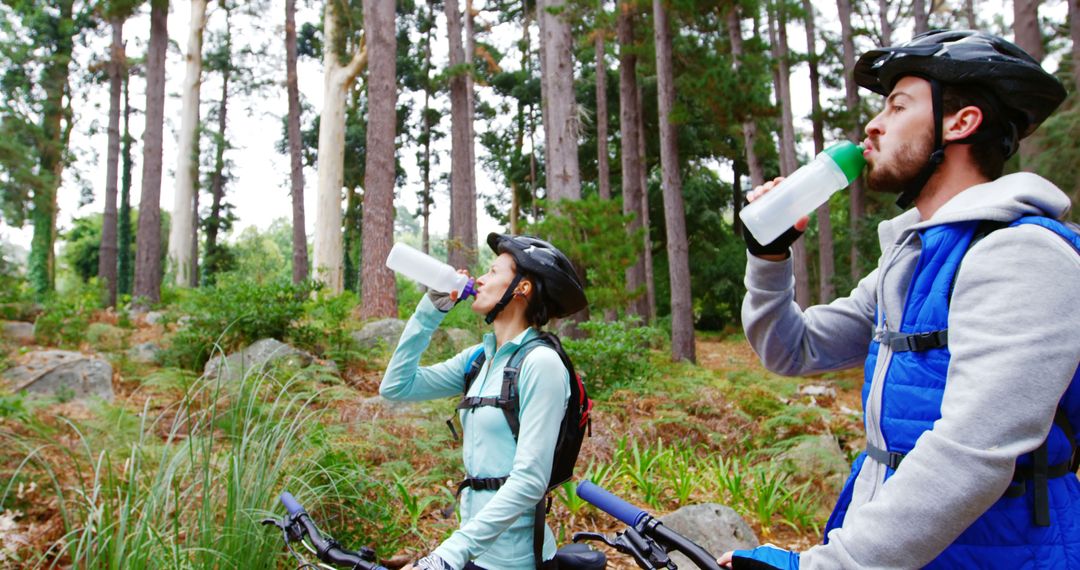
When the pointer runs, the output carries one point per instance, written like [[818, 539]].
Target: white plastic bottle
[[428, 271], [799, 194]]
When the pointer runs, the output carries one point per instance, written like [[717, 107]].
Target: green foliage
[[234, 313], [83, 244], [263, 256], [326, 326], [592, 232], [613, 355], [65, 318], [1059, 154]]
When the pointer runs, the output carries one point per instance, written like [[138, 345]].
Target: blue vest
[[1008, 534]]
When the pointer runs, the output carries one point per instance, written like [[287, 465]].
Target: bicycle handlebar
[[645, 524], [326, 548]]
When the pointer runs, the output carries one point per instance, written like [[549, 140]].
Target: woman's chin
[[479, 308]]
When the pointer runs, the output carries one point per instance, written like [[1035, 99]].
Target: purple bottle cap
[[468, 291]]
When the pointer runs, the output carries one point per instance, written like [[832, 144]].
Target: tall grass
[[189, 491]]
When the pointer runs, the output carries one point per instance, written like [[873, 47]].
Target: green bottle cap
[[848, 156]]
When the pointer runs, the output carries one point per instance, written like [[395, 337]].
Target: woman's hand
[[445, 301]]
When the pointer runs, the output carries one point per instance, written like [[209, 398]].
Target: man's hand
[[766, 557], [777, 250], [429, 562]]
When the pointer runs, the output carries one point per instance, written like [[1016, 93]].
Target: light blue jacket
[[496, 526]]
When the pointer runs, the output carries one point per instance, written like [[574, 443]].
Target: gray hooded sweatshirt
[[1013, 326]]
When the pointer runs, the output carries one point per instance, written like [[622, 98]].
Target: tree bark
[[886, 23], [296, 166], [650, 281], [54, 82], [788, 161], [462, 245], [826, 254], [851, 98], [217, 178], [1074, 33], [1028, 37], [918, 8], [123, 226], [107, 255], [338, 79], [629, 113], [682, 315], [148, 251], [603, 181], [969, 13], [187, 152], [560, 106], [425, 198], [377, 291], [749, 127]]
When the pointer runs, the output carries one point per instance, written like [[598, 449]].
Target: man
[[967, 328]]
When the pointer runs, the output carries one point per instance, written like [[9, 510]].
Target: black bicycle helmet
[[562, 291], [1024, 94]]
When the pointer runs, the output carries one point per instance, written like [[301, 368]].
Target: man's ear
[[961, 124]]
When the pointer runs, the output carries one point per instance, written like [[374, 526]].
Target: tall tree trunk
[[826, 255], [1074, 34], [603, 175], [1028, 37], [632, 166], [560, 106], [217, 178], [296, 166], [682, 311], [338, 78], [463, 242], [123, 226], [969, 14], [918, 8], [107, 254], [148, 253], [425, 198], [851, 100], [377, 292], [788, 161], [647, 251], [749, 127], [187, 152], [41, 270], [886, 23]]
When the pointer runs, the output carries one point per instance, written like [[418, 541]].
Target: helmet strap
[[508, 296], [936, 157]]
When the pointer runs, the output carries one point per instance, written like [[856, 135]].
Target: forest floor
[[727, 406]]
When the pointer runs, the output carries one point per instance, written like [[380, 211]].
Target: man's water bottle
[[428, 271], [799, 194]]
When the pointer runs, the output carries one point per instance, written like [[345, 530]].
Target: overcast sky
[[260, 188]]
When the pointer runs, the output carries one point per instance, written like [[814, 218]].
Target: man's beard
[[901, 171]]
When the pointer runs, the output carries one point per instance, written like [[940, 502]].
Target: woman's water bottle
[[428, 271], [799, 194]]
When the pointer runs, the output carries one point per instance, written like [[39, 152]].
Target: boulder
[[461, 339], [257, 356], [384, 333], [713, 526], [61, 373], [105, 337], [144, 353], [816, 458], [153, 317], [18, 332]]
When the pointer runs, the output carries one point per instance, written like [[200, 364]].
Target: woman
[[529, 282]]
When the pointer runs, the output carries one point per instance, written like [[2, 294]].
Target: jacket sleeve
[[545, 388], [1014, 353], [793, 342], [405, 379]]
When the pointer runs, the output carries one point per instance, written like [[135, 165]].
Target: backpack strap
[[472, 371]]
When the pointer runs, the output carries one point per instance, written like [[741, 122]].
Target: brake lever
[[648, 554], [599, 537]]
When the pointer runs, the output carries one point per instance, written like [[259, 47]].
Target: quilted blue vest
[[1010, 534]]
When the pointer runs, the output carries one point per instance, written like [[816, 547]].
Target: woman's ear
[[524, 288]]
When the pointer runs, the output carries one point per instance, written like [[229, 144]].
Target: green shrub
[[614, 355], [234, 313], [65, 317]]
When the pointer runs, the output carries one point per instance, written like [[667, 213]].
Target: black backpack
[[575, 424]]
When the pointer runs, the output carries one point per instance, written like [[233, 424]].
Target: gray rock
[[713, 526], [62, 373], [385, 333], [817, 457], [144, 353], [19, 332], [153, 317], [257, 356]]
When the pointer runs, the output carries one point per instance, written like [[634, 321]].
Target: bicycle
[[645, 539]]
